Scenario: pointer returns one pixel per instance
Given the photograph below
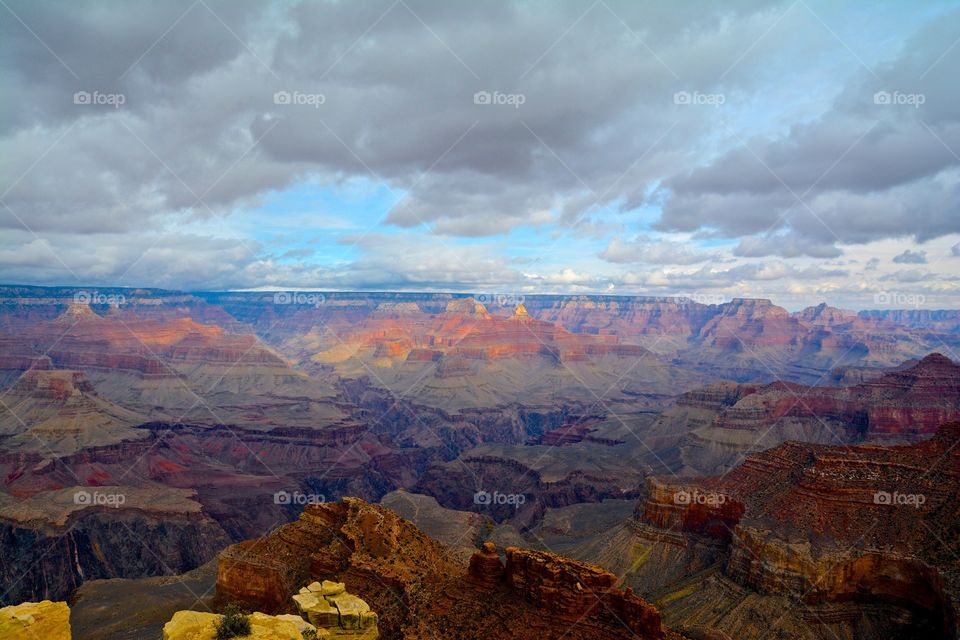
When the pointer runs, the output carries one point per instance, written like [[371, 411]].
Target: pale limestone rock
[[328, 606], [47, 620], [350, 608], [197, 625], [303, 625], [317, 610], [330, 588]]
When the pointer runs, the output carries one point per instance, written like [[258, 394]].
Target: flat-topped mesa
[[573, 591], [396, 309], [716, 396], [41, 620], [468, 307]]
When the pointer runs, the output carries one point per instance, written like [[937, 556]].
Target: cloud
[[644, 249], [599, 169], [911, 257], [865, 170], [786, 245], [199, 131]]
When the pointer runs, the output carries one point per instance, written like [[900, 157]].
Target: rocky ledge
[[870, 528], [564, 589], [46, 620], [197, 625]]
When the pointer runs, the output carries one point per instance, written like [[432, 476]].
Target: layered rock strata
[[418, 589], [863, 529]]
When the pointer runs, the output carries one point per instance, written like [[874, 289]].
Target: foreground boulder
[[197, 625], [328, 606], [46, 620]]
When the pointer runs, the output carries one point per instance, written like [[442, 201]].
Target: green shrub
[[233, 624], [309, 634]]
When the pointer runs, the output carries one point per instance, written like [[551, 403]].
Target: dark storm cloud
[[199, 130]]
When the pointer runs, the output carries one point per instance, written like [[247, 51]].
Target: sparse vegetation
[[233, 624], [309, 634]]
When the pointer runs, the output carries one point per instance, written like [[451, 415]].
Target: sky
[[801, 151]]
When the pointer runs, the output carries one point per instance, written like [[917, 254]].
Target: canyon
[[140, 439]]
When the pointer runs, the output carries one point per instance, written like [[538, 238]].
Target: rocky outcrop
[[419, 589], [326, 610], [46, 620], [691, 509], [330, 608], [103, 542], [863, 529], [197, 625], [571, 591], [486, 567]]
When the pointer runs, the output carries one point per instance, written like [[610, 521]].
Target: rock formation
[[486, 568], [418, 591], [325, 611], [900, 405], [197, 625], [862, 531], [41, 620], [329, 607], [571, 591]]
